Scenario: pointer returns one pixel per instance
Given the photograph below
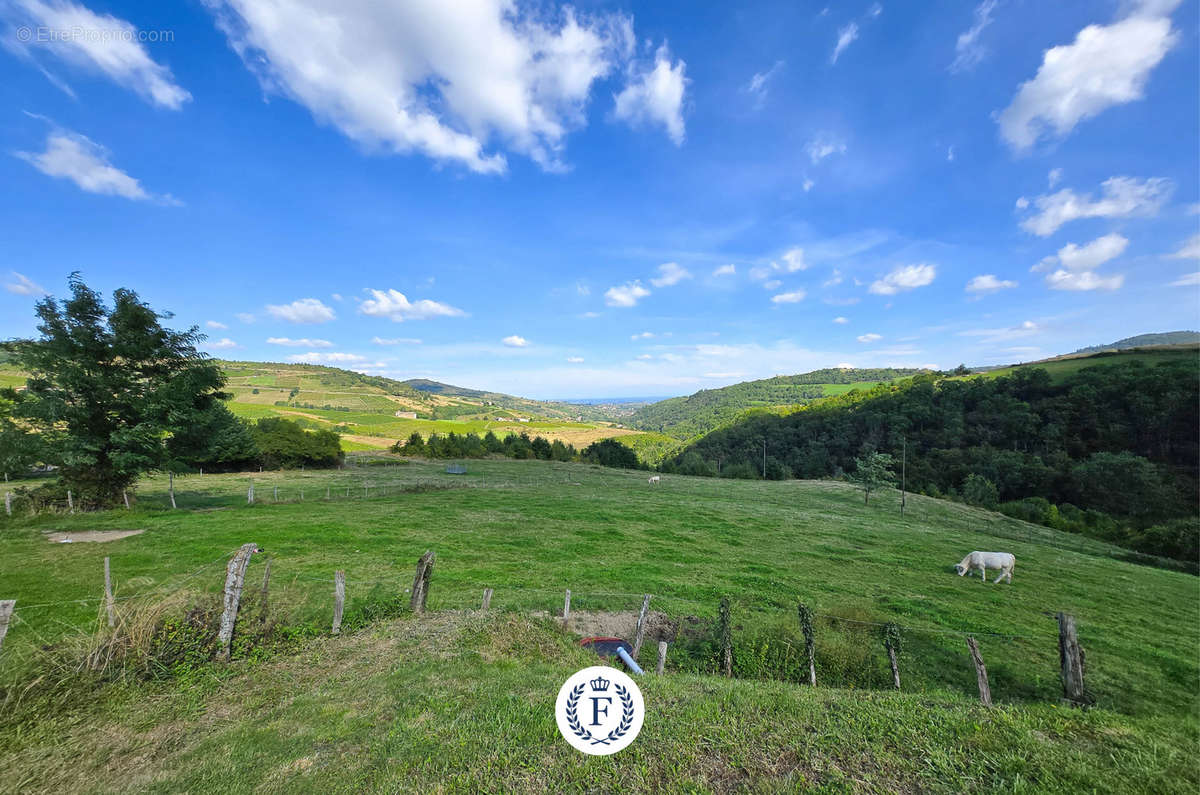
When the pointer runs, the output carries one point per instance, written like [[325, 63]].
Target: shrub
[[980, 492]]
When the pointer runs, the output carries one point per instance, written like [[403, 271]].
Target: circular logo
[[599, 710]]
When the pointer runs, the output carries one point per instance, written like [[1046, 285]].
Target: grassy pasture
[[465, 698], [1060, 369]]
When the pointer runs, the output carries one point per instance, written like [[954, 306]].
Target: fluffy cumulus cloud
[[968, 50], [794, 297], [841, 321], [670, 273], [725, 270], [304, 342], [448, 80], [216, 324], [91, 42], [870, 337], [1120, 197], [303, 310], [1086, 257], [988, 283], [907, 277], [654, 95], [1106, 65], [793, 260], [222, 344], [625, 295], [76, 157], [823, 146], [395, 306], [515, 341], [1083, 280], [846, 37], [23, 285]]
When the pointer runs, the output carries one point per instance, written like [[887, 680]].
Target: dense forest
[[1108, 451], [695, 415]]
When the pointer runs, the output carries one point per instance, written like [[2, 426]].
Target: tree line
[[606, 452], [1109, 451]]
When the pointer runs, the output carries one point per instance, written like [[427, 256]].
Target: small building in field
[[406, 415]]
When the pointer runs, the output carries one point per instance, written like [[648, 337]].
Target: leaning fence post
[[726, 637], [276, 495], [108, 596], [420, 586], [339, 599], [487, 598], [70, 501], [641, 626], [171, 488], [891, 640], [810, 646], [125, 496], [6, 611], [1070, 657], [567, 609], [662, 657], [262, 604], [985, 692], [8, 502], [235, 576]]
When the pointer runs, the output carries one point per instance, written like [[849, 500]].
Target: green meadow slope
[[463, 699]]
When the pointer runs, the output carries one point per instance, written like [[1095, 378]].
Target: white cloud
[[92, 42], [395, 306], [844, 366], [808, 185], [445, 79], [872, 337], [846, 37], [771, 285], [907, 277], [76, 157], [1189, 250], [245, 317], [993, 335], [395, 341], [1083, 280], [725, 270], [988, 283], [670, 273], [627, 294], [655, 95], [222, 344], [759, 272], [353, 359], [216, 324], [304, 310], [1106, 65], [1187, 280], [1054, 177], [1092, 255], [793, 260], [1022, 203], [968, 51], [823, 146], [840, 321], [794, 297], [834, 279], [950, 154], [1120, 197], [515, 341], [336, 296], [575, 359], [875, 10], [23, 285], [300, 343], [645, 357], [757, 87], [645, 335]]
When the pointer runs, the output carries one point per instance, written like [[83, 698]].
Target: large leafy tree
[[112, 384], [216, 441]]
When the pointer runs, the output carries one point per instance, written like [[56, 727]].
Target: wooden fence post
[[70, 501], [235, 577], [810, 646], [420, 586], [125, 496], [726, 637], [250, 494], [8, 502], [339, 599], [1070, 657], [276, 495], [108, 596], [487, 598], [985, 692], [262, 604], [891, 640], [6, 611], [641, 626], [171, 488], [567, 609], [662, 657]]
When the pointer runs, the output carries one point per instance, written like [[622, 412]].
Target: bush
[[286, 445], [1178, 538], [742, 470], [980, 492]]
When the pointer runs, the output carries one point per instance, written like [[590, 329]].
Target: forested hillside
[[695, 415], [1144, 340], [1111, 451]]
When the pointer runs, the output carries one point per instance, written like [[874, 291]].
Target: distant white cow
[[1004, 561], [655, 480]]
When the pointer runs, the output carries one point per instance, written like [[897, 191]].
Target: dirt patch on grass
[[89, 536], [587, 623]]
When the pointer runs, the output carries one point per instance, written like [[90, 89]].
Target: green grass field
[[464, 698], [1060, 369]]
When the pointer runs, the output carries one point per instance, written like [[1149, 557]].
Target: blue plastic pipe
[[633, 666]]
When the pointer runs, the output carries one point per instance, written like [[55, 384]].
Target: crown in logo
[[599, 684]]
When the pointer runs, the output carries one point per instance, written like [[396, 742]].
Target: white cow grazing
[[655, 480], [1004, 561]]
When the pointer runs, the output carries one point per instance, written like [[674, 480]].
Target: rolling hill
[[1145, 340], [689, 417]]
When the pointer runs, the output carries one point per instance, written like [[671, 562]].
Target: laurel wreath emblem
[[582, 733]]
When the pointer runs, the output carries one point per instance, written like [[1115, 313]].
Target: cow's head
[[961, 569]]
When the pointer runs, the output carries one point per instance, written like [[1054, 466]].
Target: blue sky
[[609, 199]]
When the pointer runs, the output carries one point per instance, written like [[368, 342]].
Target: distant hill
[[688, 417], [1144, 340]]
